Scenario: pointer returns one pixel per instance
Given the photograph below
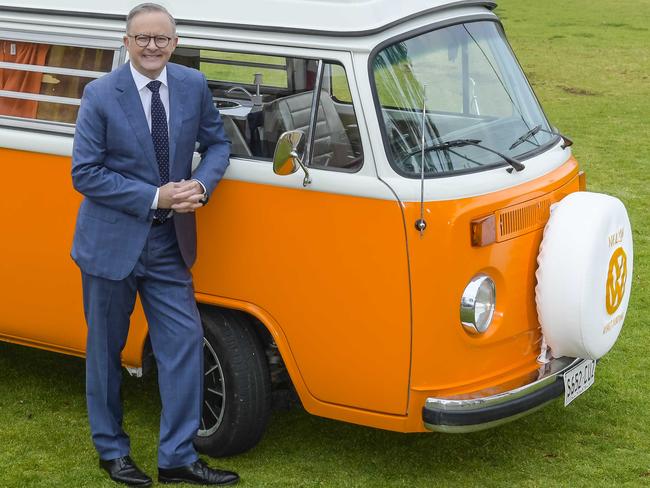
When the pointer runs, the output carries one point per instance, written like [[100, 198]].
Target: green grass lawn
[[589, 62]]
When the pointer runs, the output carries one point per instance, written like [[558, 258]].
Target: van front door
[[326, 262]]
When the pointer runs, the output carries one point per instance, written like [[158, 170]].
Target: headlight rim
[[468, 314]]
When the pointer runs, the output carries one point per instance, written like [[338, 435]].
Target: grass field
[[589, 62]]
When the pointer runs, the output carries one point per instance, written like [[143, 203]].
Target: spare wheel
[[584, 275]]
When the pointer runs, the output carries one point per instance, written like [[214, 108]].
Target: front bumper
[[484, 408]]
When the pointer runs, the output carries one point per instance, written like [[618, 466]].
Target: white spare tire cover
[[584, 275]]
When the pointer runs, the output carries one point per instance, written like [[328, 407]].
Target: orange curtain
[[21, 81]]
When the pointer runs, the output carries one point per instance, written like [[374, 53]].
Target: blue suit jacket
[[114, 166]]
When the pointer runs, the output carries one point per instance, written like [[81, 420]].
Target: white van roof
[[328, 17]]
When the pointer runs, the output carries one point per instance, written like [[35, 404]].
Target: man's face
[[150, 60]]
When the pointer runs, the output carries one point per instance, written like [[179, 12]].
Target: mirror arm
[[307, 179]]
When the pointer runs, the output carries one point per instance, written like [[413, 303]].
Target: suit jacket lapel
[[131, 104], [176, 97]]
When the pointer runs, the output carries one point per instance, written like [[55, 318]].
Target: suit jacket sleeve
[[91, 177], [213, 143]]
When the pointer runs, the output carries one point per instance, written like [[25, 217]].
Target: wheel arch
[[267, 329]]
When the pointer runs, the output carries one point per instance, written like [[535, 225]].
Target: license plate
[[578, 379]]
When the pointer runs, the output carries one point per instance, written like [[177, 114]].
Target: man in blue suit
[[135, 233]]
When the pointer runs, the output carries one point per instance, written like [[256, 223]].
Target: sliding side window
[[44, 82]]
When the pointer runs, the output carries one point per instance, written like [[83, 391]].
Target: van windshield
[[472, 88]]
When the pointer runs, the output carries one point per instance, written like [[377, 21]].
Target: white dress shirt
[[141, 82]]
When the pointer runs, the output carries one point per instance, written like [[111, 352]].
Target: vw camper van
[[402, 237]]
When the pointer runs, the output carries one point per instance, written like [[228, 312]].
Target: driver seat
[[332, 147]]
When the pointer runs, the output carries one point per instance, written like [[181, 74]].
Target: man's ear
[[126, 39]]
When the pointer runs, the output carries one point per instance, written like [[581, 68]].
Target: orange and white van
[[402, 237]]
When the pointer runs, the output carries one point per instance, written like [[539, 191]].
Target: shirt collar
[[141, 80]]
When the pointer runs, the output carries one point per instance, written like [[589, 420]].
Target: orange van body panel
[[365, 312], [332, 272], [40, 284], [315, 262]]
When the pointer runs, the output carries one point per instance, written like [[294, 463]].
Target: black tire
[[237, 385]]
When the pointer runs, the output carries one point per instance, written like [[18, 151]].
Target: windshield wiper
[[525, 136], [538, 128], [443, 146]]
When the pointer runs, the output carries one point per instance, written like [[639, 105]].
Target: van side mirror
[[286, 159]]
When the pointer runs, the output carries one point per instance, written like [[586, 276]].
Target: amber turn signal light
[[483, 231]]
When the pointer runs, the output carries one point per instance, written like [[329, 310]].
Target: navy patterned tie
[[160, 137]]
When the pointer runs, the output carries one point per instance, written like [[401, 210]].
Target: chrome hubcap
[[214, 392]]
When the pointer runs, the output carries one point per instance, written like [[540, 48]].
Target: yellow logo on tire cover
[[616, 278]]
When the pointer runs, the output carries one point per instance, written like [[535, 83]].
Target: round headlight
[[477, 304]]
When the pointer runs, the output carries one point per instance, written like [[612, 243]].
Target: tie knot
[[154, 86]]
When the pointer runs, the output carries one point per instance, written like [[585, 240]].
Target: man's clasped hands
[[181, 196]]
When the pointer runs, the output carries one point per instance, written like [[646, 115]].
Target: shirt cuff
[[154, 205], [202, 185]]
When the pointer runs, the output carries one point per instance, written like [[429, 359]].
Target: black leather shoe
[[197, 473], [123, 470]]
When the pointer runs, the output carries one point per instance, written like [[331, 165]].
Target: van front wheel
[[237, 385]]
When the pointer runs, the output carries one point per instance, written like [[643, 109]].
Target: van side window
[[219, 65], [261, 96], [340, 88], [45, 81]]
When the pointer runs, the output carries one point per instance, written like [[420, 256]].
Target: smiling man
[[135, 234]]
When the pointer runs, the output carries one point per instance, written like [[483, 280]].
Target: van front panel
[[447, 359]]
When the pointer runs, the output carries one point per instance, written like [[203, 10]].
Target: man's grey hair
[[148, 7]]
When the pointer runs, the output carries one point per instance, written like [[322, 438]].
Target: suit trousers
[[165, 287]]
